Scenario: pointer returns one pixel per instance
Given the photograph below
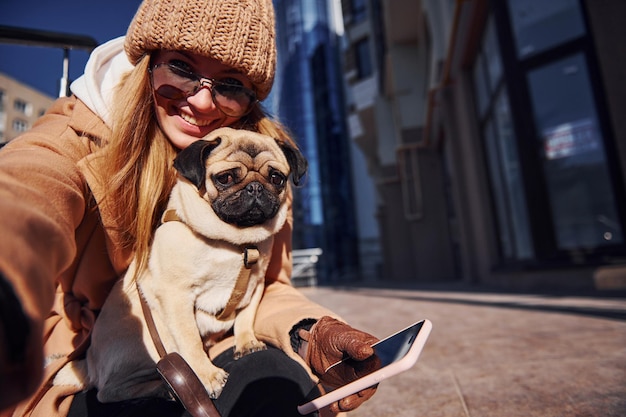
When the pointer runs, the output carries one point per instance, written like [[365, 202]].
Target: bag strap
[[177, 373], [150, 323]]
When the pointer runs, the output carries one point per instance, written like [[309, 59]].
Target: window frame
[[515, 73]]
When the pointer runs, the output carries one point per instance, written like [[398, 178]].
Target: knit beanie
[[238, 33]]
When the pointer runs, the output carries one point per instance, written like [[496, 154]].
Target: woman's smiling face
[[187, 119]]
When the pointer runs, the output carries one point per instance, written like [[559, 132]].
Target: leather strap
[[170, 216], [150, 323], [174, 370], [177, 373], [250, 257], [185, 384]]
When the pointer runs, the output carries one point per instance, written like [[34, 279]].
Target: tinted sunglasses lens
[[233, 100], [168, 84], [170, 92]]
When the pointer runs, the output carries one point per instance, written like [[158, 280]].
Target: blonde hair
[[138, 174]]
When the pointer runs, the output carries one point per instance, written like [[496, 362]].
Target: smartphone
[[393, 355]]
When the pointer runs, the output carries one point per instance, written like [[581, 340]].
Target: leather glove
[[330, 341]]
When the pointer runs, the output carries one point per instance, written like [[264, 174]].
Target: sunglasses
[[172, 82]]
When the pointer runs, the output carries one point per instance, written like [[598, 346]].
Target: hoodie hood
[[105, 67]]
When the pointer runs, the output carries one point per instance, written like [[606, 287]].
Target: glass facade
[[544, 139], [582, 203], [509, 198], [309, 101], [539, 25]]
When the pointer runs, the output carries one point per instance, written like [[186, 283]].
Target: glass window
[[354, 11], [512, 178], [480, 85], [359, 10], [20, 125], [507, 182], [492, 57], [487, 69], [500, 144], [498, 190], [582, 203], [363, 59], [408, 164], [22, 106], [540, 24]]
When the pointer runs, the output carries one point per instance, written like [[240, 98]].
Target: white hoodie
[[103, 71]]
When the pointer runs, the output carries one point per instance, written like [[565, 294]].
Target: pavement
[[493, 353]]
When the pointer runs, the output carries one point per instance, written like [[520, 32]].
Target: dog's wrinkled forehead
[[228, 145], [249, 148], [229, 149]]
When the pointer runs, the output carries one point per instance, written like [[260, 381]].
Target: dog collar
[[170, 216]]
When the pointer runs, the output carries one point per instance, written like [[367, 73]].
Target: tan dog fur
[[192, 269]]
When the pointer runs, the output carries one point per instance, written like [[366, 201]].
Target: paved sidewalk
[[495, 354]]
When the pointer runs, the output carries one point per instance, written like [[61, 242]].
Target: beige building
[[20, 106], [495, 133]]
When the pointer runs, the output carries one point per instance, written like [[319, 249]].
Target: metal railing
[[305, 267], [65, 41]]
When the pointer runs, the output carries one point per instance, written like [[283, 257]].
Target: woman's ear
[[191, 161]]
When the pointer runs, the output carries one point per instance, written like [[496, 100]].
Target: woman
[[81, 194]]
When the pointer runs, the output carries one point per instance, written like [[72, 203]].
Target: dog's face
[[244, 173]]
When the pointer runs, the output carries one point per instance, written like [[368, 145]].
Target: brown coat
[[62, 261]]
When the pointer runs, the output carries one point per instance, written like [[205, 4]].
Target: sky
[[42, 67]]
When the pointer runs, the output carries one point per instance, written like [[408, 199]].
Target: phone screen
[[392, 355], [387, 351], [395, 347]]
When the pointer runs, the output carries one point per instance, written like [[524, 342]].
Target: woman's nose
[[202, 101]]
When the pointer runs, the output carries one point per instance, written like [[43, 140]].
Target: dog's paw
[[249, 347], [216, 383]]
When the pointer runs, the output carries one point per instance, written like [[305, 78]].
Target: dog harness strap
[[170, 216], [250, 257], [150, 323]]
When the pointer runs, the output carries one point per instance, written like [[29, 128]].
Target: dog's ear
[[297, 162], [190, 162]]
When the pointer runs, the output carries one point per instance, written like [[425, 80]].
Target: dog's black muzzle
[[250, 206]]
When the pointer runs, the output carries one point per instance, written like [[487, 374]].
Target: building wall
[[20, 106], [389, 109], [486, 210]]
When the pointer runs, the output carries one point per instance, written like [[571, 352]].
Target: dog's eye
[[225, 178], [277, 179]]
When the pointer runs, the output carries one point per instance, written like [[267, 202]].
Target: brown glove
[[330, 341]]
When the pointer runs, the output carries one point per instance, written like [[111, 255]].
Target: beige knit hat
[[238, 33]]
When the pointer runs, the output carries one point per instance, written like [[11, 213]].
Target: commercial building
[[308, 98], [495, 133], [20, 106]]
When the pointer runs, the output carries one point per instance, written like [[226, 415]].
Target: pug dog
[[230, 194]]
